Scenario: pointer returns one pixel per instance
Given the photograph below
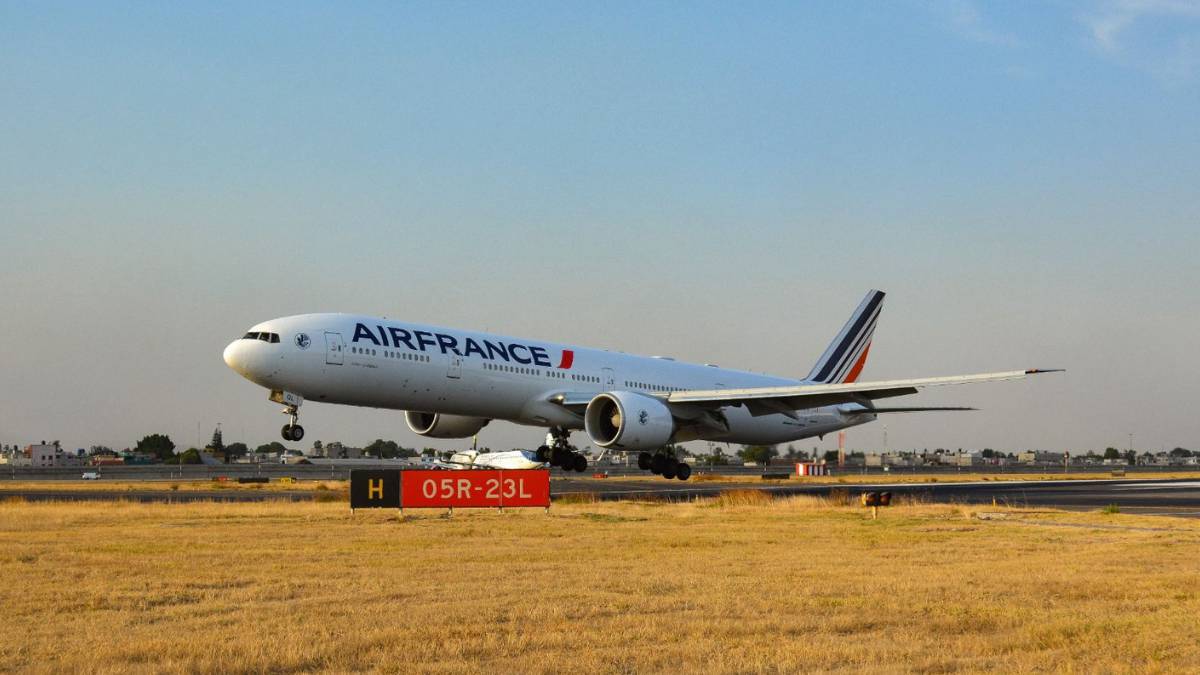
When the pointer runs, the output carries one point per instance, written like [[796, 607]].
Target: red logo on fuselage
[[568, 357]]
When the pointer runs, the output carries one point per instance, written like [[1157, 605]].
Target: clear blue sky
[[720, 182]]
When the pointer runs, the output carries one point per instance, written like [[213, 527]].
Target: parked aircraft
[[507, 459]]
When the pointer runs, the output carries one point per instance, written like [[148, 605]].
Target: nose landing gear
[[291, 406], [292, 431], [559, 452]]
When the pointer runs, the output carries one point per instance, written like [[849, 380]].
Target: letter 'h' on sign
[[375, 489]]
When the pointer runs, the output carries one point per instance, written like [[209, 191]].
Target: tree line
[[162, 448]]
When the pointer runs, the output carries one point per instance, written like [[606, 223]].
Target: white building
[[44, 455]]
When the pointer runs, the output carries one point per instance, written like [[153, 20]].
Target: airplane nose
[[232, 356]]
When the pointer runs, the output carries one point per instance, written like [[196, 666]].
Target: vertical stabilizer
[[845, 357]]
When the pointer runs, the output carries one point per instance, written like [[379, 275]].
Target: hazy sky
[[717, 182]]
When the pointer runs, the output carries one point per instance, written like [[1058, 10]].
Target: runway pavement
[[1168, 497], [1158, 497]]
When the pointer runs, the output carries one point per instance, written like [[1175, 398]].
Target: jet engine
[[437, 425], [629, 421]]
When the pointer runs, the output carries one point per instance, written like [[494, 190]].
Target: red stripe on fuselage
[[568, 357]]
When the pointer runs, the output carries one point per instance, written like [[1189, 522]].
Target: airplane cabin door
[[455, 369], [608, 377], [334, 348]]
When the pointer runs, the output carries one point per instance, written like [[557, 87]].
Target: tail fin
[[845, 357]]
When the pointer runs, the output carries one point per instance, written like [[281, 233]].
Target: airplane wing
[[788, 399], [772, 400]]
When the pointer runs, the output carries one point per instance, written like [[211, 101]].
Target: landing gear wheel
[[683, 471], [543, 454], [644, 461], [292, 432], [657, 464], [580, 463], [559, 457], [558, 448], [669, 469]]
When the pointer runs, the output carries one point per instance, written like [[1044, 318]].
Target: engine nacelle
[[628, 420], [437, 425]]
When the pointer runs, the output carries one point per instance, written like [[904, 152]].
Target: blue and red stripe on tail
[[845, 357]]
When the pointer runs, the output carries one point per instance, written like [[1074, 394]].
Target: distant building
[[959, 459], [44, 455], [335, 450], [131, 457], [887, 459], [1040, 457]]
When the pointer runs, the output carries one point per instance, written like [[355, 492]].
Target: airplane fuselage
[[366, 361]]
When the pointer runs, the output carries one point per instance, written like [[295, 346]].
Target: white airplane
[[452, 383], [508, 459]]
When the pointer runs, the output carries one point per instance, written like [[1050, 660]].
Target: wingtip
[[1038, 371]]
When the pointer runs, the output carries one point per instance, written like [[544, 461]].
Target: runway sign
[[811, 469], [475, 488], [374, 489]]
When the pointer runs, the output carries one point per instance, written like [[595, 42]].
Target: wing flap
[[917, 409]]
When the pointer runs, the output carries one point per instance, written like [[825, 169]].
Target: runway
[[1159, 497], [1179, 497]]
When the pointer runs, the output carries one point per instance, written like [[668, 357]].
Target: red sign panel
[[474, 488]]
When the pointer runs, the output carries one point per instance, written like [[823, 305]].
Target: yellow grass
[[193, 485], [341, 485], [732, 586]]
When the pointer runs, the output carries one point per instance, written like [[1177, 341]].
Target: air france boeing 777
[[452, 383]]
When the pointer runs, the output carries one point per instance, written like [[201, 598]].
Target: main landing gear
[[292, 431], [559, 452], [664, 465]]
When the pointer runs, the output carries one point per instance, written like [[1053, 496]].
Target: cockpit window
[[265, 337]]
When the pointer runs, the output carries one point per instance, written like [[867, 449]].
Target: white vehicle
[[91, 475], [452, 383]]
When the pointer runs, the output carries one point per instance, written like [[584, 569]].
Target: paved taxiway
[[1157, 497], [1163, 497]]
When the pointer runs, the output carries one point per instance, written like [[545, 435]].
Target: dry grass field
[[738, 584], [182, 485], [193, 485]]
